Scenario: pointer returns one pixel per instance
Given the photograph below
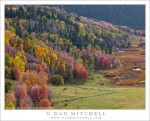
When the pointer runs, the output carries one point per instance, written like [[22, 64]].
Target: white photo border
[[44, 115]]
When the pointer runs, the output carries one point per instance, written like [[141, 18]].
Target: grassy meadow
[[93, 95]]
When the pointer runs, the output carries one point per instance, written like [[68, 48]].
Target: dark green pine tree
[[29, 27], [18, 29]]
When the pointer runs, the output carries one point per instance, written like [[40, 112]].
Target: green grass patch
[[97, 84], [125, 98]]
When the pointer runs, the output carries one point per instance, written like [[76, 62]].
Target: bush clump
[[8, 85], [56, 80], [9, 105]]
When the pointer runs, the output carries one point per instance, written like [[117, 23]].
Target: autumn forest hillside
[[48, 47], [115, 14]]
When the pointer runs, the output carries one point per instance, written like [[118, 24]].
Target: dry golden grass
[[125, 75]]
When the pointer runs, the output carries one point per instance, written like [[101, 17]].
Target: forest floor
[[102, 90]]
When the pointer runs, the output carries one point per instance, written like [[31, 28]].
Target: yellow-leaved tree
[[18, 61]]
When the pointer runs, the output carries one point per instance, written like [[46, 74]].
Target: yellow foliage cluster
[[18, 62], [135, 44], [30, 42], [54, 56], [45, 55], [21, 48], [41, 53], [8, 36], [81, 25]]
